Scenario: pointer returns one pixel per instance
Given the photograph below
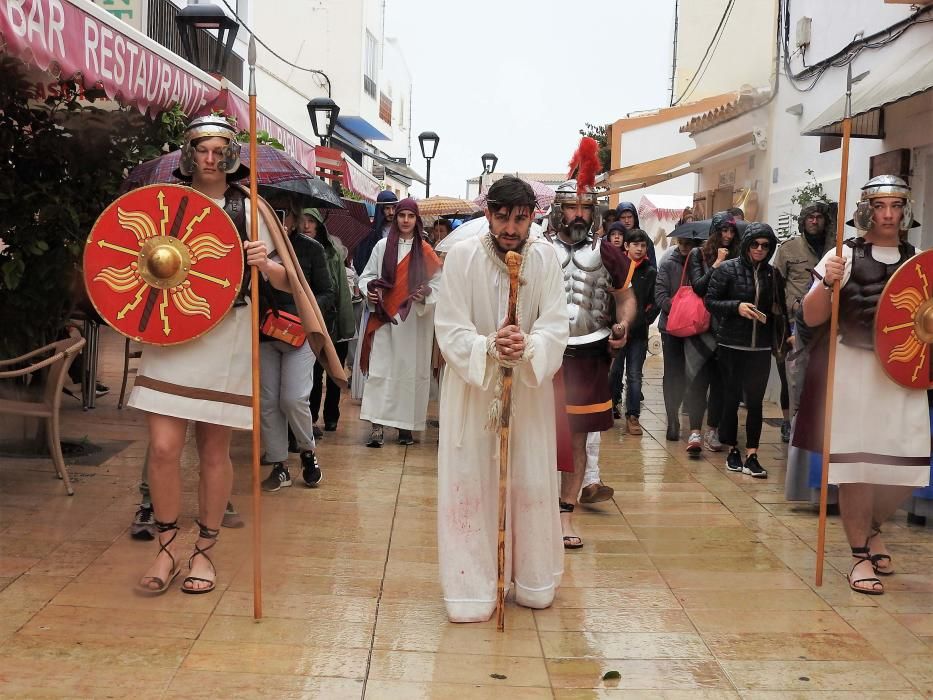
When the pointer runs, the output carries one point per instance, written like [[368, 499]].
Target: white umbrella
[[472, 228]]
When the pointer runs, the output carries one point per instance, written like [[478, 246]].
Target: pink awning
[[234, 103], [76, 39]]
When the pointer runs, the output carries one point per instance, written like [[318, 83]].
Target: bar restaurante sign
[[75, 39]]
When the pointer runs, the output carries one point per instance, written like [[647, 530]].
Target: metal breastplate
[[589, 291], [858, 300]]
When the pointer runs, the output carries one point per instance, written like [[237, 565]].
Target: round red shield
[[163, 264], [904, 324]]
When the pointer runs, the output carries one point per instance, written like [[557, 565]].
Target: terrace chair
[[128, 355], [46, 401]]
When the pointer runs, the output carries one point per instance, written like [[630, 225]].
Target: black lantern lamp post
[[489, 166], [323, 112], [193, 18], [428, 141]]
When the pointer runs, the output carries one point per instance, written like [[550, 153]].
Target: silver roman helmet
[[201, 127], [567, 193], [883, 186]]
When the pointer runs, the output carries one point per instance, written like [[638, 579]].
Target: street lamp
[[428, 141], [323, 112], [190, 20], [489, 165]]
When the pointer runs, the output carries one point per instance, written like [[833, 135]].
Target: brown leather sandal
[[570, 541], [863, 555], [207, 534], [162, 584], [881, 563]]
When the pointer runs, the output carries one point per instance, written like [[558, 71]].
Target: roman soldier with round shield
[[880, 430]]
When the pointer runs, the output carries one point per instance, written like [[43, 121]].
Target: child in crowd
[[631, 358]]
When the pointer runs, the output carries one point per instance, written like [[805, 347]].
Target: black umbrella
[[697, 230], [313, 191]]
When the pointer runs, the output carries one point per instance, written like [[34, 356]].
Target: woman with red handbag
[[671, 277], [702, 366], [287, 363]]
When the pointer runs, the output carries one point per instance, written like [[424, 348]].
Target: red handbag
[[688, 315], [285, 327]]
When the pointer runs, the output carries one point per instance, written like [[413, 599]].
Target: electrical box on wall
[[802, 37]]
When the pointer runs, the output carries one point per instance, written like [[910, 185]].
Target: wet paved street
[[693, 583]]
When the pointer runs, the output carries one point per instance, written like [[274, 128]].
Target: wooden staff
[[514, 262], [833, 332], [254, 313]]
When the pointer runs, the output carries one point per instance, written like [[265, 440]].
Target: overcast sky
[[519, 78]]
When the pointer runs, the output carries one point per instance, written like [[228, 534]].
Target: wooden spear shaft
[[254, 314], [833, 332], [514, 262]]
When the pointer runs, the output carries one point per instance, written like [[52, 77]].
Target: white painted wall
[[744, 55], [907, 124]]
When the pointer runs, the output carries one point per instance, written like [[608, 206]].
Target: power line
[[709, 48], [273, 52], [690, 90]]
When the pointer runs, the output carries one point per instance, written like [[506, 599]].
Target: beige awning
[[669, 167], [914, 75]]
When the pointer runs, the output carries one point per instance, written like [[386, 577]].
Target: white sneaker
[[694, 444], [711, 440]]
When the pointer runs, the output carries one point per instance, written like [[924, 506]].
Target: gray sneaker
[[711, 440], [232, 518], [143, 527]]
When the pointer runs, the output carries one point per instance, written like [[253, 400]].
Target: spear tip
[[251, 53]]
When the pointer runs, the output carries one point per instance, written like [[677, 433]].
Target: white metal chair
[[45, 404]]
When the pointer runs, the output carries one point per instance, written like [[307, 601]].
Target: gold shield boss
[[163, 264], [904, 323]]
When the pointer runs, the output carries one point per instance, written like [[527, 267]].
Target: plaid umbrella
[[543, 194], [441, 205], [274, 166], [350, 224]]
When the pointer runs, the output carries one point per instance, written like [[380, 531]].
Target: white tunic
[[208, 379], [396, 390], [473, 304], [876, 423]]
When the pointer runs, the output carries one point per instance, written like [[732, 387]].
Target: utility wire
[[690, 90], [273, 52], [709, 48]]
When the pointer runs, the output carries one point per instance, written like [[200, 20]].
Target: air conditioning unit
[[379, 171]]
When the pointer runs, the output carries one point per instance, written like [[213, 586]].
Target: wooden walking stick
[[514, 262], [833, 332], [254, 313]]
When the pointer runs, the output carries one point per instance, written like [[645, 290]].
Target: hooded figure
[[747, 295], [376, 233], [631, 208], [799, 255]]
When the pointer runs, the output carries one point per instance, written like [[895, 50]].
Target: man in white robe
[[469, 320], [400, 285]]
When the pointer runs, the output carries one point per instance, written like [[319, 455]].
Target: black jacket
[[643, 283], [667, 284], [738, 280], [313, 262]]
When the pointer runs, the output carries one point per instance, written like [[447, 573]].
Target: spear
[[833, 332], [254, 314]]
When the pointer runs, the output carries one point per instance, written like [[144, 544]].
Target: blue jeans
[[629, 361]]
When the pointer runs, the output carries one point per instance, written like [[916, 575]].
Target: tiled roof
[[744, 102]]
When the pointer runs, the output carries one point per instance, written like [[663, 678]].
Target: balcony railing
[[385, 109], [162, 28]]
